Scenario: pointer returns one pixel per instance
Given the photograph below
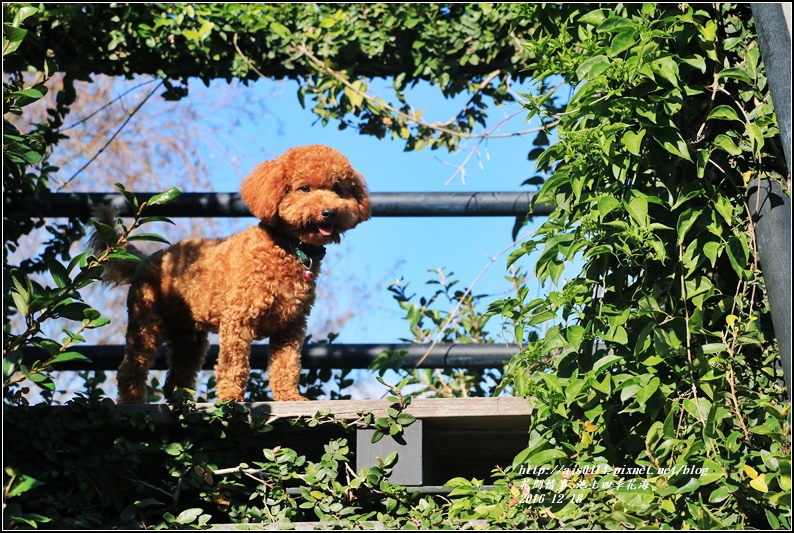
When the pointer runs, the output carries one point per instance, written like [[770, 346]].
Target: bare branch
[[115, 134]]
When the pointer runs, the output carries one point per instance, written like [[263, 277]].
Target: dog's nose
[[329, 214]]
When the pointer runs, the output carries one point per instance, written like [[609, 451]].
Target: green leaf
[[356, 93], [148, 237], [622, 41], [21, 484], [716, 347], [605, 362], [644, 393], [606, 204], [405, 419], [280, 30], [711, 250], [672, 141], [68, 356], [617, 334], [593, 67], [21, 303], [545, 456], [712, 471], [574, 334], [726, 144], [738, 254], [637, 207], [667, 68], [164, 197], [130, 198], [147, 220], [633, 141], [189, 515], [106, 233], [724, 112], [738, 74], [686, 221], [709, 31], [614, 24], [724, 207], [34, 93], [59, 273], [756, 138], [595, 17]]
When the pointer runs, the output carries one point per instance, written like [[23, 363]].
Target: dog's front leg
[[285, 363], [231, 372]]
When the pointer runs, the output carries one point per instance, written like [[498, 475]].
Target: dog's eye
[[338, 190], [305, 188]]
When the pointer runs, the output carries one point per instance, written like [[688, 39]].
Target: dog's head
[[310, 192]]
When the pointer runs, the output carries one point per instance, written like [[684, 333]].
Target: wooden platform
[[480, 411], [452, 437]]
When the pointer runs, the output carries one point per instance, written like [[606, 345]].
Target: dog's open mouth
[[326, 230]]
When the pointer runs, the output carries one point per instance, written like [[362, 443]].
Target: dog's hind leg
[[144, 337], [185, 358], [143, 340]]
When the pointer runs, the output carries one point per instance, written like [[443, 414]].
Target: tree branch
[[112, 137]]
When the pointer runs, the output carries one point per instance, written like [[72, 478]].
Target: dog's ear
[[361, 194], [264, 189]]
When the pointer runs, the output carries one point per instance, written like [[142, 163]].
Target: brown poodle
[[255, 284]]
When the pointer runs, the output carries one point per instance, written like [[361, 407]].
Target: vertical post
[[769, 205], [772, 219]]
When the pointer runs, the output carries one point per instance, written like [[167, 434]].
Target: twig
[[148, 485], [245, 58], [113, 137], [454, 313], [689, 339], [411, 118], [714, 89], [119, 97], [487, 135], [689, 348]]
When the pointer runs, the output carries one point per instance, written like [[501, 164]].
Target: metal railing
[[314, 356], [393, 204]]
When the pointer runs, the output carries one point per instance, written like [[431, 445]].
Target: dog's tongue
[[326, 230]]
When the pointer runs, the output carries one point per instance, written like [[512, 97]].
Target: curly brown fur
[[248, 286]]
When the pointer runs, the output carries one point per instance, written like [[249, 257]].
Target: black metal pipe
[[774, 40], [407, 204], [771, 212], [770, 206], [315, 356]]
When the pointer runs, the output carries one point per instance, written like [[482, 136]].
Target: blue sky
[[379, 251], [383, 249]]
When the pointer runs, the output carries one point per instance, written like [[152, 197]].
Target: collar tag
[[307, 261]]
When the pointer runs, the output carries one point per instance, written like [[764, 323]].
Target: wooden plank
[[438, 409]]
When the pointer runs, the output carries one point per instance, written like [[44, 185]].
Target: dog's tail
[[116, 272]]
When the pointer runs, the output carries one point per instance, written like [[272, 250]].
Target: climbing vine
[[663, 353], [658, 398]]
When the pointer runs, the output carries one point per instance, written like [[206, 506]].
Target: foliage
[[34, 302], [430, 323], [664, 354], [24, 152], [102, 469], [335, 51], [657, 397]]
